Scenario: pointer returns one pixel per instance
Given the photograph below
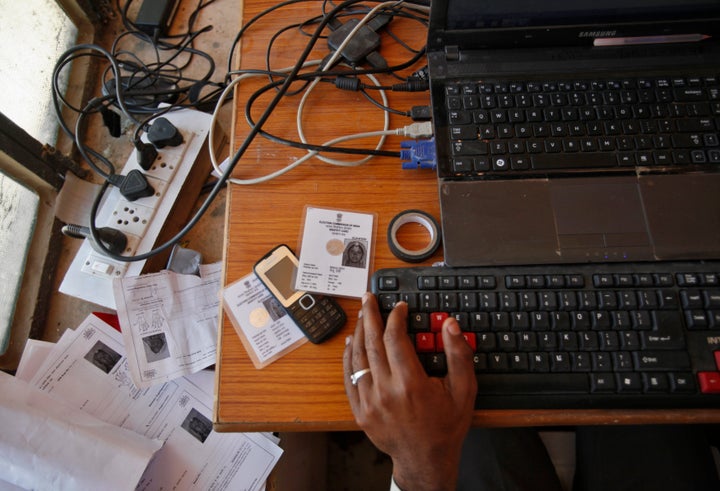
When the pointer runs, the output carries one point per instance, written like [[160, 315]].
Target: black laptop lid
[[477, 24], [541, 220]]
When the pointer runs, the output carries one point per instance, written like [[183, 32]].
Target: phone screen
[[282, 275]]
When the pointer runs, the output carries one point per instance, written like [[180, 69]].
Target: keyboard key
[[425, 342], [661, 360], [436, 321], [603, 382], [656, 382], [709, 382], [534, 383], [629, 382]]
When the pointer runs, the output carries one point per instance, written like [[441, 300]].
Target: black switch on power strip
[[155, 16]]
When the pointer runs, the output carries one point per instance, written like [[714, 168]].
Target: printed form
[[169, 322], [90, 371]]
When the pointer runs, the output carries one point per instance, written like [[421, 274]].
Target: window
[[38, 34], [34, 35], [18, 213]]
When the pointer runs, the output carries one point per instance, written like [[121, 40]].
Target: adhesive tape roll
[[413, 216]]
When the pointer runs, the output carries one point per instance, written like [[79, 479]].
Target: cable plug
[[422, 74], [412, 86], [146, 154], [420, 113], [418, 154], [113, 240], [417, 130], [111, 119], [133, 186], [163, 133]]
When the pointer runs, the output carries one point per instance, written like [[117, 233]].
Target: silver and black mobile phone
[[318, 316]]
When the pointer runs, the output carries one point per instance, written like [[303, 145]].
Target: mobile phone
[[318, 316]]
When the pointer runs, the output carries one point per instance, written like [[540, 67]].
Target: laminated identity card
[[336, 252]]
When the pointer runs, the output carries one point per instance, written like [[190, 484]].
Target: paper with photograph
[[169, 322], [91, 372]]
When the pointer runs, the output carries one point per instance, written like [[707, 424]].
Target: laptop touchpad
[[599, 216]]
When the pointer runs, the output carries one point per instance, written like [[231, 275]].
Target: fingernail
[[366, 297], [452, 327], [348, 340], [360, 314]]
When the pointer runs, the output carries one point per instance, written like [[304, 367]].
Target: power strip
[[176, 170]]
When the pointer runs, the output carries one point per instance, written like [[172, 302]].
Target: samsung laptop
[[576, 130]]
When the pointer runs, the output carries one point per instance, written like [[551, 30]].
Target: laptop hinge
[[452, 53]]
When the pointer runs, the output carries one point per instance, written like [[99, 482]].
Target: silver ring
[[358, 375]]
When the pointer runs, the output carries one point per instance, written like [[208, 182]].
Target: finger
[[461, 374], [359, 354], [350, 389], [373, 327], [402, 358]]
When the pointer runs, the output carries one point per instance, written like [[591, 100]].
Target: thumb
[[461, 372]]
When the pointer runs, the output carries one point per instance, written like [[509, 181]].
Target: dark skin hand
[[419, 421]]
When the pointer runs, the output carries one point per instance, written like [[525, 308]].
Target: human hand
[[419, 421]]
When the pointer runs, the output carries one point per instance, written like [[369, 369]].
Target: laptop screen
[[511, 23]]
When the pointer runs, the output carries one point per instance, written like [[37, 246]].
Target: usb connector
[[417, 130]]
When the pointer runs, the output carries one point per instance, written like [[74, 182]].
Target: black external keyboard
[[514, 129], [640, 335]]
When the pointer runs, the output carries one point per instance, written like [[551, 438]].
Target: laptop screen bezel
[[705, 22]]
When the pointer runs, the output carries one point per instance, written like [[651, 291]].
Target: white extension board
[[91, 274]]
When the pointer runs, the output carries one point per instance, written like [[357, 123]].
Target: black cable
[[380, 105], [255, 130], [156, 71], [321, 148], [252, 21], [305, 146]]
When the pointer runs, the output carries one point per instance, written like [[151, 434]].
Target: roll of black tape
[[413, 216]]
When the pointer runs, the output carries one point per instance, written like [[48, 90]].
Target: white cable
[[381, 142], [301, 160], [312, 153], [330, 63], [221, 102]]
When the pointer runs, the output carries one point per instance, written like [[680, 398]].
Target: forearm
[[440, 475]]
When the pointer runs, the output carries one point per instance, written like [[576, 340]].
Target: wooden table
[[304, 391]]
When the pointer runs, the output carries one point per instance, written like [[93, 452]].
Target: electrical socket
[[169, 160], [158, 195], [131, 218], [182, 168]]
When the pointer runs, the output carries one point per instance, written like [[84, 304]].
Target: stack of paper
[[88, 372]]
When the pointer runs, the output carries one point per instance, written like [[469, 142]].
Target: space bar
[[573, 161], [532, 383]]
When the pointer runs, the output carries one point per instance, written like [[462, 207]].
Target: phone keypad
[[321, 320]]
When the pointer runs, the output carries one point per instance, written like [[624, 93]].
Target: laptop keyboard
[[641, 335], [505, 129]]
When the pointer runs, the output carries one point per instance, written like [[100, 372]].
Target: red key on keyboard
[[709, 382], [471, 340], [425, 342], [436, 321], [469, 337]]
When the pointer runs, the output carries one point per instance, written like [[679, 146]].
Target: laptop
[[522, 208]]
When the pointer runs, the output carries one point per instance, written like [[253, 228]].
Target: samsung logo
[[597, 34]]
